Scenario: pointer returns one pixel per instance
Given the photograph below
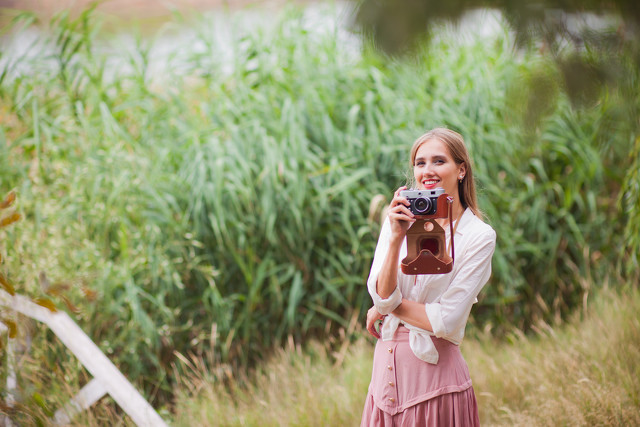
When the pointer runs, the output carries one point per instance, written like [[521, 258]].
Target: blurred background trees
[[593, 43]]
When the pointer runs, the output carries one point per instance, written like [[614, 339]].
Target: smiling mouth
[[430, 182]]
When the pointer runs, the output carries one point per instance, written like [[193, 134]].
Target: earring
[[460, 178]]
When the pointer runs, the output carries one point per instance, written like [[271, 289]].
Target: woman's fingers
[[401, 216], [402, 211], [372, 317], [372, 330], [399, 207], [397, 198]]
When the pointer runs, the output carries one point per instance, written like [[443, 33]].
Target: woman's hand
[[372, 317], [400, 216]]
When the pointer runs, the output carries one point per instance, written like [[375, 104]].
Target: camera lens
[[422, 205]]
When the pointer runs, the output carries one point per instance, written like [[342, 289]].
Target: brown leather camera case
[[426, 250]]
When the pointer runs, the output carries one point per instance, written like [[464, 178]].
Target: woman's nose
[[428, 169]]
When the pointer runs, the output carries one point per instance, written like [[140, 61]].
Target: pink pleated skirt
[[406, 391]]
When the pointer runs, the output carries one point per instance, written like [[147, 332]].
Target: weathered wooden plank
[[90, 394], [100, 367]]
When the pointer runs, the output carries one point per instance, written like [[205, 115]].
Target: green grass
[[580, 373]]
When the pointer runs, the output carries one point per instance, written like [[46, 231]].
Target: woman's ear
[[462, 171]]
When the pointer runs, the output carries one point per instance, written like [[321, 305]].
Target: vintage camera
[[423, 202], [426, 246]]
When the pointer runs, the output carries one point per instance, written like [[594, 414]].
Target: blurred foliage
[[593, 44], [22, 399], [7, 218], [589, 51], [221, 207], [398, 26]]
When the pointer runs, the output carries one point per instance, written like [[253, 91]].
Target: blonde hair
[[458, 150]]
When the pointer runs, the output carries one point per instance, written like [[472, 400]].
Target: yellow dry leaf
[[7, 285], [8, 201], [46, 303], [10, 219], [11, 325]]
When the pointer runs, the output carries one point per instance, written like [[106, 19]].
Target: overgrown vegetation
[[221, 207], [581, 373]]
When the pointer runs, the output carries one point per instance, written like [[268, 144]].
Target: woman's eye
[[419, 163]]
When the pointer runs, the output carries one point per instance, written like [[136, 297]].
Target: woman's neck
[[456, 213]]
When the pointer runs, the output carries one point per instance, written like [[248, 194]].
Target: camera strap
[[452, 229]]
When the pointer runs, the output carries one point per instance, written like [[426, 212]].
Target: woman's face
[[434, 167]]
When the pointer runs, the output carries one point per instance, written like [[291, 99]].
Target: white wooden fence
[[106, 377]]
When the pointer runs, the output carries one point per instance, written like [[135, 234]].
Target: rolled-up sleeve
[[449, 315], [383, 305]]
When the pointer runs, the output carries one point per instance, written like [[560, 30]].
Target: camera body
[[423, 202]]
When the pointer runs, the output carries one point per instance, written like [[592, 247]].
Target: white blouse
[[447, 297]]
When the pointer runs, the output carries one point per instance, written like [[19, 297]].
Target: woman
[[419, 375]]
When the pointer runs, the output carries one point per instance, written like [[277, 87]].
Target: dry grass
[[581, 373], [295, 388]]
